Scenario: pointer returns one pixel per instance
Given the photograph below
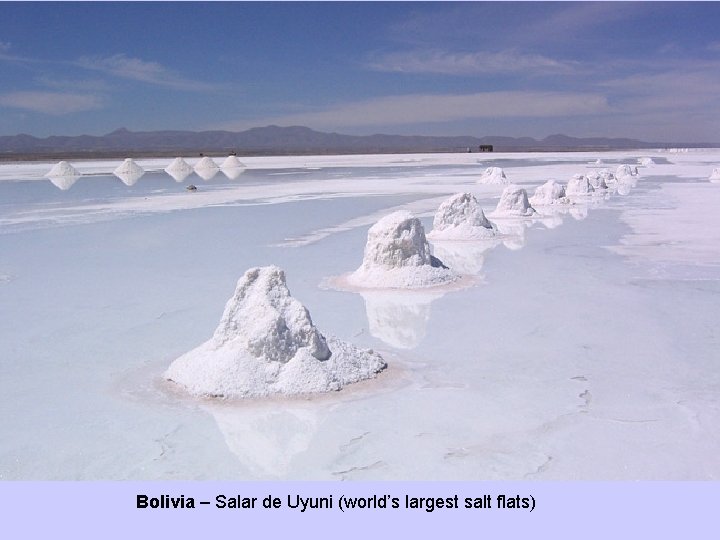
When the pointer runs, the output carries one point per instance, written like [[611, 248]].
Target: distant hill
[[276, 140]]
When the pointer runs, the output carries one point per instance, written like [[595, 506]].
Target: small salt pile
[[626, 170], [206, 168], [578, 186], [397, 255], [646, 161], [266, 343], [597, 180], [129, 172], [62, 168], [232, 167], [715, 176], [493, 175], [461, 218], [551, 192], [513, 203], [179, 169]]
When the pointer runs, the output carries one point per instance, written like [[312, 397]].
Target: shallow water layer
[[585, 348]]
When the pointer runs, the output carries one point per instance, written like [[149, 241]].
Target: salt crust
[[266, 344]]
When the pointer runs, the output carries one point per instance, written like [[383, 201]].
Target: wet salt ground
[[568, 361]]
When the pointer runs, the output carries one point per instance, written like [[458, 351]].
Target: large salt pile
[[578, 186], [493, 175], [62, 168], [715, 176], [597, 180], [206, 168], [265, 344], [397, 255], [129, 172], [179, 169], [513, 203], [551, 192], [63, 175], [461, 218]]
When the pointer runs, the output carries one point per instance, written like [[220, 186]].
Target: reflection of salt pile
[[493, 175], [551, 192], [513, 232], [579, 186], [513, 203], [179, 169], [232, 167], [465, 258], [266, 437], [399, 318], [461, 218], [266, 344], [715, 176], [397, 255], [206, 168], [129, 172]]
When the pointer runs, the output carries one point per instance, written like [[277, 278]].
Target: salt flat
[[585, 347]]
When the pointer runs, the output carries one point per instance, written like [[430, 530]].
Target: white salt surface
[[397, 255], [461, 218], [266, 344], [502, 380]]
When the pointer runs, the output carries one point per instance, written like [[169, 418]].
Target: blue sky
[[648, 70]]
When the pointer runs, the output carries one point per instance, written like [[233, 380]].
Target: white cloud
[[122, 66], [54, 103], [448, 63], [420, 108]]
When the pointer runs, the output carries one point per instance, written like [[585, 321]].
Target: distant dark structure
[[485, 148]]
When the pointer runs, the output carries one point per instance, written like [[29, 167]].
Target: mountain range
[[277, 140]]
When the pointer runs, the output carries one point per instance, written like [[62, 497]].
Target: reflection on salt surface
[[63, 182], [399, 318], [550, 220], [512, 231], [579, 212], [266, 437], [232, 172], [465, 258], [129, 178], [206, 173], [179, 175]]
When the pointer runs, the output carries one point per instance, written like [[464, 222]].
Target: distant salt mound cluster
[[63, 175], [129, 172], [493, 175], [551, 192], [715, 176], [513, 203], [579, 186], [397, 255], [461, 218], [179, 169], [206, 168], [266, 344]]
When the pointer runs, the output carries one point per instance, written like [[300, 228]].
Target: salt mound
[[715, 176], [493, 175], [551, 192], [597, 180], [598, 161], [646, 161], [626, 170], [129, 172], [232, 162], [514, 202], [265, 344], [179, 169], [397, 255], [62, 168], [206, 168], [579, 185], [461, 218]]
